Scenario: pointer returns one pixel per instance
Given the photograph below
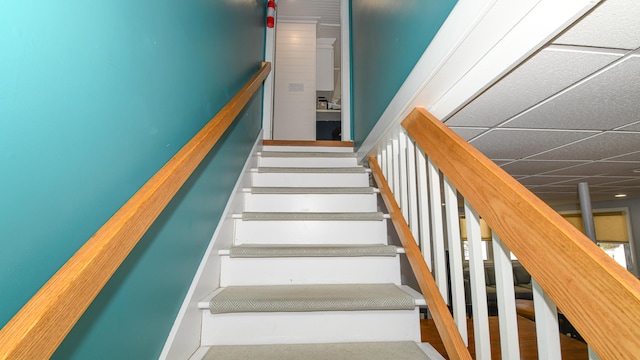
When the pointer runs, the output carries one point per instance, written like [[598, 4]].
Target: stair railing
[[429, 170], [37, 330]]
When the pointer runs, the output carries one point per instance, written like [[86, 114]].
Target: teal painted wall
[[387, 39], [95, 96]]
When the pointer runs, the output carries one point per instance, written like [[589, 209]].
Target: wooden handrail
[[39, 327], [453, 343], [598, 296]]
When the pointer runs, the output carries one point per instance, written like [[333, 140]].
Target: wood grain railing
[[598, 297], [453, 342], [40, 326]]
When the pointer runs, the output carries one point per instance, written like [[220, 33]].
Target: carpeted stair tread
[[405, 350], [290, 154], [304, 298], [312, 190], [312, 216], [313, 170], [262, 251]]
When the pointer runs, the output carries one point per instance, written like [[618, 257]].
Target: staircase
[[310, 274]]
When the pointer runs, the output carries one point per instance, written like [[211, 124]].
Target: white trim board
[[184, 337], [345, 70], [267, 100], [478, 43]]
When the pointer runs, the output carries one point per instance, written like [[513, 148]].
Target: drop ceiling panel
[[613, 24], [624, 182], [518, 143], [608, 168], [551, 70], [545, 180], [601, 146], [468, 133], [635, 156], [631, 127], [533, 167], [603, 102]]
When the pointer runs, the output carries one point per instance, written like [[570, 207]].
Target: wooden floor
[[572, 349]]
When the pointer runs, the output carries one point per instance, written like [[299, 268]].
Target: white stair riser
[[310, 270], [307, 162], [310, 327], [310, 202], [311, 232], [307, 148], [310, 179]]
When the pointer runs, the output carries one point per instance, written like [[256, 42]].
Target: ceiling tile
[[551, 70], [557, 188], [635, 156], [592, 180], [600, 168], [468, 133], [545, 180], [624, 182], [604, 102], [631, 127], [602, 146], [533, 167], [518, 143], [613, 24]]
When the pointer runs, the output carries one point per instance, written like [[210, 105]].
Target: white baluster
[[403, 176], [389, 173], [413, 189], [396, 169], [547, 331], [439, 262], [455, 259], [507, 316], [423, 205], [478, 289]]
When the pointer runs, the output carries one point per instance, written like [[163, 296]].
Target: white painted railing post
[[383, 161], [507, 316], [478, 284], [458, 302], [403, 175], [412, 189], [389, 174], [439, 262], [547, 331], [423, 205], [396, 169]]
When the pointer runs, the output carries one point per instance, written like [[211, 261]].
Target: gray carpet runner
[[286, 154], [312, 190], [313, 170], [346, 351], [299, 298], [312, 216], [262, 251]]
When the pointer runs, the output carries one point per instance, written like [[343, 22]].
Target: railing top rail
[[40, 326], [600, 298]]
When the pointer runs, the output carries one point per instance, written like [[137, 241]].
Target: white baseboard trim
[[184, 338]]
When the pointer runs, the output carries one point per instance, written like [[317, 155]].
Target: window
[[612, 233], [485, 232]]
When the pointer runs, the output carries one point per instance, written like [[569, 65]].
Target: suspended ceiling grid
[[570, 113]]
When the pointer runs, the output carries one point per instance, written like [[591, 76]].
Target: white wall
[[295, 82]]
